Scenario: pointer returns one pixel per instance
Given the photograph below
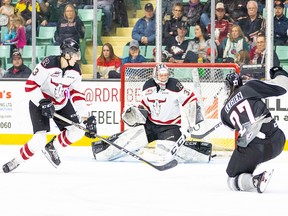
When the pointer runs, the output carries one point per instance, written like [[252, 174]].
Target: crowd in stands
[[239, 29]]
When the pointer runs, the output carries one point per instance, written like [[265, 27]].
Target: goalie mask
[[161, 75], [232, 81]]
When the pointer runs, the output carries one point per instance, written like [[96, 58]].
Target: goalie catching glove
[[91, 127], [47, 108], [134, 116]]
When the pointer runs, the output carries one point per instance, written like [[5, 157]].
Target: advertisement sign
[[103, 100]]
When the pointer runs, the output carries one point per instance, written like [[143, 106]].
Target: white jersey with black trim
[[164, 105], [48, 80]]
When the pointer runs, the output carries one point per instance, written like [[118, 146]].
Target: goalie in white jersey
[[55, 85], [158, 117]]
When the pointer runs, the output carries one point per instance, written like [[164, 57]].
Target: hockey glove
[[277, 71], [91, 127], [47, 108]]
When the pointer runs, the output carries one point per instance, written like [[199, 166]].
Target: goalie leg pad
[[132, 139], [100, 145], [195, 152], [202, 147]]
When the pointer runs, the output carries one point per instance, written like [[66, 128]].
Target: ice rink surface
[[83, 187]]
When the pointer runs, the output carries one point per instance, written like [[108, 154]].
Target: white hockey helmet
[[161, 75]]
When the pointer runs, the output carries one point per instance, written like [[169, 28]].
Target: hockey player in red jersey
[[260, 139], [158, 118], [55, 86]]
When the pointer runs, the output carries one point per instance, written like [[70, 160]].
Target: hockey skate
[[51, 153], [11, 165], [261, 181]]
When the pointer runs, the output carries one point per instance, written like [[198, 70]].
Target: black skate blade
[[49, 159]]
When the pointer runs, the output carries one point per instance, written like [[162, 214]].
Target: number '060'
[[5, 124]]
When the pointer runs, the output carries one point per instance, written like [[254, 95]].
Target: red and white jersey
[[164, 105], [48, 80]]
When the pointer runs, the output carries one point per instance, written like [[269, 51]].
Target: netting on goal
[[207, 82]]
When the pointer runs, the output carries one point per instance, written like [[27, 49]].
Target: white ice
[[83, 187]]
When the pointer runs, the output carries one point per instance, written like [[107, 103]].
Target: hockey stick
[[201, 136], [163, 167]]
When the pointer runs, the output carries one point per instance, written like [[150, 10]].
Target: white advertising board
[[103, 99]]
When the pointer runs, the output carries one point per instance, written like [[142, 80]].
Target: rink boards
[[103, 98]]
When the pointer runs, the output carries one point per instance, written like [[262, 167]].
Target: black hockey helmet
[[232, 81], [70, 46]]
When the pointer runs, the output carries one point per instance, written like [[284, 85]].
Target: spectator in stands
[[144, 29], [11, 32], [258, 53], [252, 24], [222, 26], [24, 9], [134, 54], [171, 22], [234, 9], [177, 46], [280, 24], [121, 15], [83, 4], [242, 58], [261, 6], [107, 9], [55, 11], [70, 26], [206, 14], [163, 57], [2, 71], [167, 6], [197, 48], [134, 57], [6, 10], [18, 70], [108, 64], [20, 39], [193, 10], [234, 43]]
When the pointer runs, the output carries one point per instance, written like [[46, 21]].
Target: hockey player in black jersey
[[55, 85], [158, 118], [260, 139]]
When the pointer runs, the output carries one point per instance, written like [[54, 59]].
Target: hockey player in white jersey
[[158, 118], [260, 139], [55, 85]]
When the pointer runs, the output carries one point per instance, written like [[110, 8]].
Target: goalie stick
[[163, 167]]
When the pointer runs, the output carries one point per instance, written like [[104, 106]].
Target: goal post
[[205, 79]]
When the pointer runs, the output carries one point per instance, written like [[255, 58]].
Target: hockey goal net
[[207, 82]]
